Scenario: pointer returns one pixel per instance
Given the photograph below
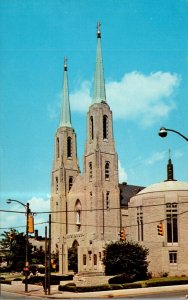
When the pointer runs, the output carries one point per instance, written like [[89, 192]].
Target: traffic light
[[122, 234], [160, 229], [30, 223]]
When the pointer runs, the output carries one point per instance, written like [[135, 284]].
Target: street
[[8, 295], [162, 295], [165, 296]]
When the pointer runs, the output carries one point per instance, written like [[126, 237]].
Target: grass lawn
[[12, 275], [163, 279]]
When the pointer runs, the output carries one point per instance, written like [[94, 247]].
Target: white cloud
[[155, 157], [39, 204], [80, 99], [122, 173], [145, 98], [177, 154]]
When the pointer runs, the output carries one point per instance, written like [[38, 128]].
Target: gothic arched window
[[107, 200], [90, 171], [57, 147], [140, 223], [95, 259], [69, 147], [172, 222], [91, 128], [105, 127], [70, 182], [107, 170], [57, 184], [78, 213]]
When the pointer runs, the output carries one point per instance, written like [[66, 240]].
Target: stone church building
[[89, 209]]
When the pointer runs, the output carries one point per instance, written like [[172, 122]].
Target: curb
[[99, 294]]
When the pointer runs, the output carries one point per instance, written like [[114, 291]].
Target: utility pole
[[26, 255], [29, 229], [46, 264], [49, 255]]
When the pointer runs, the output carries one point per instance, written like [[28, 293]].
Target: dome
[[165, 186]]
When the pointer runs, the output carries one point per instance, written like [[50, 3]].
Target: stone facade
[[83, 208], [89, 209], [166, 203]]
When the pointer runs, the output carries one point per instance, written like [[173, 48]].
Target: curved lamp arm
[[163, 132], [10, 200]]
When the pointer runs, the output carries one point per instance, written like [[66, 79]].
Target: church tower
[[101, 162], [65, 167]]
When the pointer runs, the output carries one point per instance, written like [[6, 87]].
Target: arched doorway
[[73, 257]]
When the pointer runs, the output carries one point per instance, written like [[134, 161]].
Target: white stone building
[[89, 209], [164, 203], [87, 205]]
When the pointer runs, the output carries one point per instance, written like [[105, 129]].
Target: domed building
[[158, 219]]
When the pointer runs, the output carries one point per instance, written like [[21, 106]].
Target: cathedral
[[89, 209], [87, 205]]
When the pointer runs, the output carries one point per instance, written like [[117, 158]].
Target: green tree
[[13, 245], [126, 258], [38, 257]]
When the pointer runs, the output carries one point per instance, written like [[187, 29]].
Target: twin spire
[[99, 83], [65, 120], [99, 94]]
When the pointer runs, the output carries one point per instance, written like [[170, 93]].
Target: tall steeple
[[65, 120], [99, 83]]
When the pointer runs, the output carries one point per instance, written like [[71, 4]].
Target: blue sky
[[145, 55]]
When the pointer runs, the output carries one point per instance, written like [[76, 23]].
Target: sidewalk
[[36, 290]]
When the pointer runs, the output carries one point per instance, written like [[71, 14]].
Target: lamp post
[[26, 251], [164, 131]]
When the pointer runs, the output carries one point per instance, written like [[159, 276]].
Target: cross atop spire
[[65, 120], [169, 152], [99, 83], [65, 63], [98, 29]]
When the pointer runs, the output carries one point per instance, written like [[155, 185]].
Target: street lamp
[[26, 251], [163, 133]]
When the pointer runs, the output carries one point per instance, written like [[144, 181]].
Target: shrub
[[2, 278], [5, 281], [122, 278], [17, 279], [132, 285], [67, 277], [67, 288], [126, 258], [54, 279], [106, 287], [167, 282], [35, 280]]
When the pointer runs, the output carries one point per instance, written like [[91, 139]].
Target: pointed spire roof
[[65, 120], [99, 83]]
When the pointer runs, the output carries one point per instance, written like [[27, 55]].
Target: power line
[[99, 226], [93, 209]]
